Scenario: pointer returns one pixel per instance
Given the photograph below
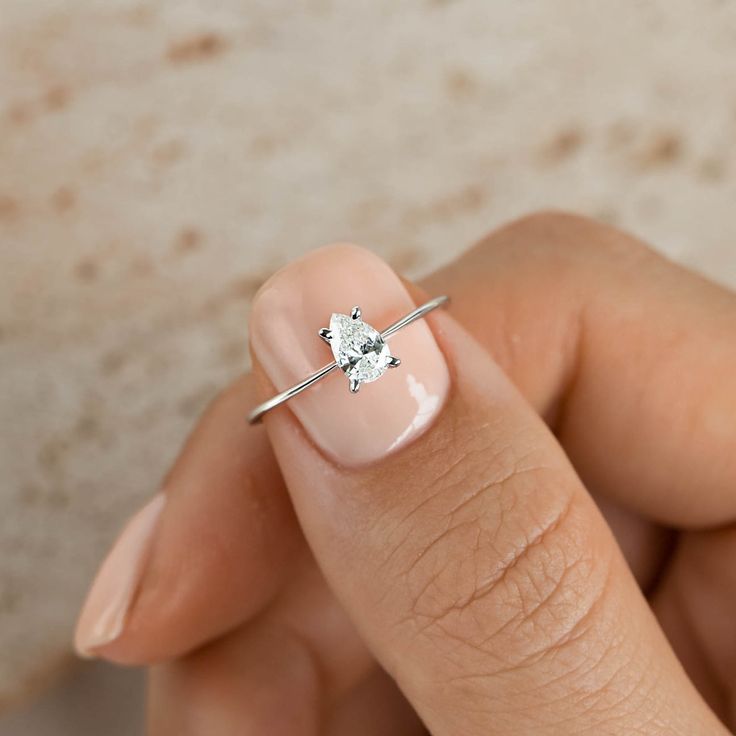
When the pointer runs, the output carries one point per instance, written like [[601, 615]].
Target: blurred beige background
[[159, 159]]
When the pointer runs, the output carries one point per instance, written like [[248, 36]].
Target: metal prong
[[325, 333], [394, 362], [355, 313], [354, 385]]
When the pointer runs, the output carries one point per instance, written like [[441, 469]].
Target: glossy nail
[[288, 314], [103, 615]]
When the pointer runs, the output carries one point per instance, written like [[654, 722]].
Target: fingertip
[[105, 610]]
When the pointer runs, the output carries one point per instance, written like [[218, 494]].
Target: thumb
[[453, 529]]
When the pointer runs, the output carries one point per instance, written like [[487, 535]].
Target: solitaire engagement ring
[[359, 350]]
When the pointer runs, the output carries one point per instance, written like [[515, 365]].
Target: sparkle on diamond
[[358, 348]]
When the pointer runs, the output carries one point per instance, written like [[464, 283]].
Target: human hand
[[470, 566]]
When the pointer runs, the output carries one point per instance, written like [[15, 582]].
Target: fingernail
[[386, 414], [104, 612]]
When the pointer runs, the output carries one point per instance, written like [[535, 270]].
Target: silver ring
[[359, 349]]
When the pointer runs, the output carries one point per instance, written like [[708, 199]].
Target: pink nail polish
[[103, 615], [387, 413]]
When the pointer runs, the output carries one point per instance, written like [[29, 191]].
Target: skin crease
[[566, 270]]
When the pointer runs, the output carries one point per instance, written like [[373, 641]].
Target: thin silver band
[[255, 416]]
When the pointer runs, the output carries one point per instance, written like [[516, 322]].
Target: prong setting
[[360, 350]]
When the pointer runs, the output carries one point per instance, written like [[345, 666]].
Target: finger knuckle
[[507, 575]]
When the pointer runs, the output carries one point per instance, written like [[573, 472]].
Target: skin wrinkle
[[436, 451], [539, 539], [494, 484], [506, 458], [551, 648], [506, 567], [601, 690], [462, 463], [585, 622], [432, 581], [517, 470], [565, 641], [631, 699], [500, 578], [481, 490], [582, 666], [585, 666], [532, 659], [650, 715], [516, 715]]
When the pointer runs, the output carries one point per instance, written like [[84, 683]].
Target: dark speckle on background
[[197, 48]]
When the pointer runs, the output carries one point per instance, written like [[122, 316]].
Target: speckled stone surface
[[158, 160]]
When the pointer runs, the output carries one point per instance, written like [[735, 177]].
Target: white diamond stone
[[358, 348]]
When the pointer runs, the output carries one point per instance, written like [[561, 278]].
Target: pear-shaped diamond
[[359, 349]]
